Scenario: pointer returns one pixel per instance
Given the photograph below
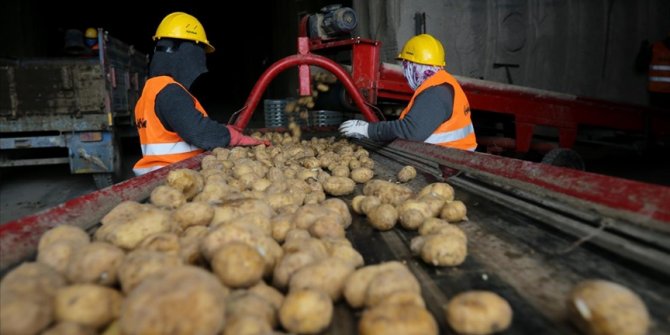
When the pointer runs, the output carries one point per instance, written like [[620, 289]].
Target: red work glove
[[238, 139]]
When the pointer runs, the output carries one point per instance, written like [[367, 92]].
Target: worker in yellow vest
[[437, 113], [172, 124]]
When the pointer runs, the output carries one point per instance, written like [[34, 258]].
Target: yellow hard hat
[[91, 33], [423, 49], [183, 26]]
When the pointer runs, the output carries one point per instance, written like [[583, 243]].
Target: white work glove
[[354, 128]]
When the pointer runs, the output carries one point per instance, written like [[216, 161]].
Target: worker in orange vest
[[171, 122], [655, 59], [437, 113]]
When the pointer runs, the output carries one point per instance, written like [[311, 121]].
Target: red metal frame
[[19, 238], [641, 203], [302, 60]]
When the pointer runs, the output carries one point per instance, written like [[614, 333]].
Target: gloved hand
[[238, 139], [354, 128]]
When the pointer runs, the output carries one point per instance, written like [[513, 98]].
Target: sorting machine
[[534, 230]]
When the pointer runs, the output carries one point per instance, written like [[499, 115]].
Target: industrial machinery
[[71, 110], [506, 118], [534, 230]]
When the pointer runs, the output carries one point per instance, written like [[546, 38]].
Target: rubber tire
[[566, 158], [103, 180]]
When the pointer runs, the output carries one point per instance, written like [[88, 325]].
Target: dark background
[[248, 36]]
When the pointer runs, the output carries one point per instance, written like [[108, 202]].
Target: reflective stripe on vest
[[450, 136], [160, 147], [167, 148], [141, 171], [659, 68], [456, 132]]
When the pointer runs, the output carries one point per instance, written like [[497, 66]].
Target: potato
[[356, 285], [69, 328], [339, 206], [140, 264], [129, 233], [383, 217], [281, 224], [236, 208], [328, 276], [600, 307], [124, 211], [187, 181], [338, 186], [340, 171], [478, 313], [24, 313], [167, 243], [434, 202], [315, 197], [63, 233], [184, 300], [413, 213], [167, 197], [388, 281], [194, 232], [32, 278], [269, 293], [95, 263], [327, 226], [57, 255], [241, 303], [86, 304], [193, 214], [361, 175], [432, 225], [290, 264], [306, 312], [444, 249], [247, 325], [346, 253], [387, 192], [398, 320], [403, 298], [443, 190], [453, 211], [356, 204], [368, 203], [238, 265], [214, 192], [406, 174]]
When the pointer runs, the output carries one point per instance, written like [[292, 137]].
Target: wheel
[[103, 180], [564, 158]]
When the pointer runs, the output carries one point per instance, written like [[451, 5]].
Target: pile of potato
[[249, 244]]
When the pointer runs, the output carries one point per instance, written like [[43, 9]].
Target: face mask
[[416, 74]]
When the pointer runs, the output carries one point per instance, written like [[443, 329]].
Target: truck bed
[[531, 250]]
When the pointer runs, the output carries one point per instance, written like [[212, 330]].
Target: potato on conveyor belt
[[600, 307]]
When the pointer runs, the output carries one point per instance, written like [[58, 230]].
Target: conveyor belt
[[518, 244], [530, 263]]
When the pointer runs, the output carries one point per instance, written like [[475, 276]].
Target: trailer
[[71, 110], [534, 231]]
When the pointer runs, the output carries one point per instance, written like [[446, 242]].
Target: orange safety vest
[[160, 147], [659, 68], [457, 132]]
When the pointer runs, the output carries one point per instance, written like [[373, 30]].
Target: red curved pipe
[[295, 60]]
